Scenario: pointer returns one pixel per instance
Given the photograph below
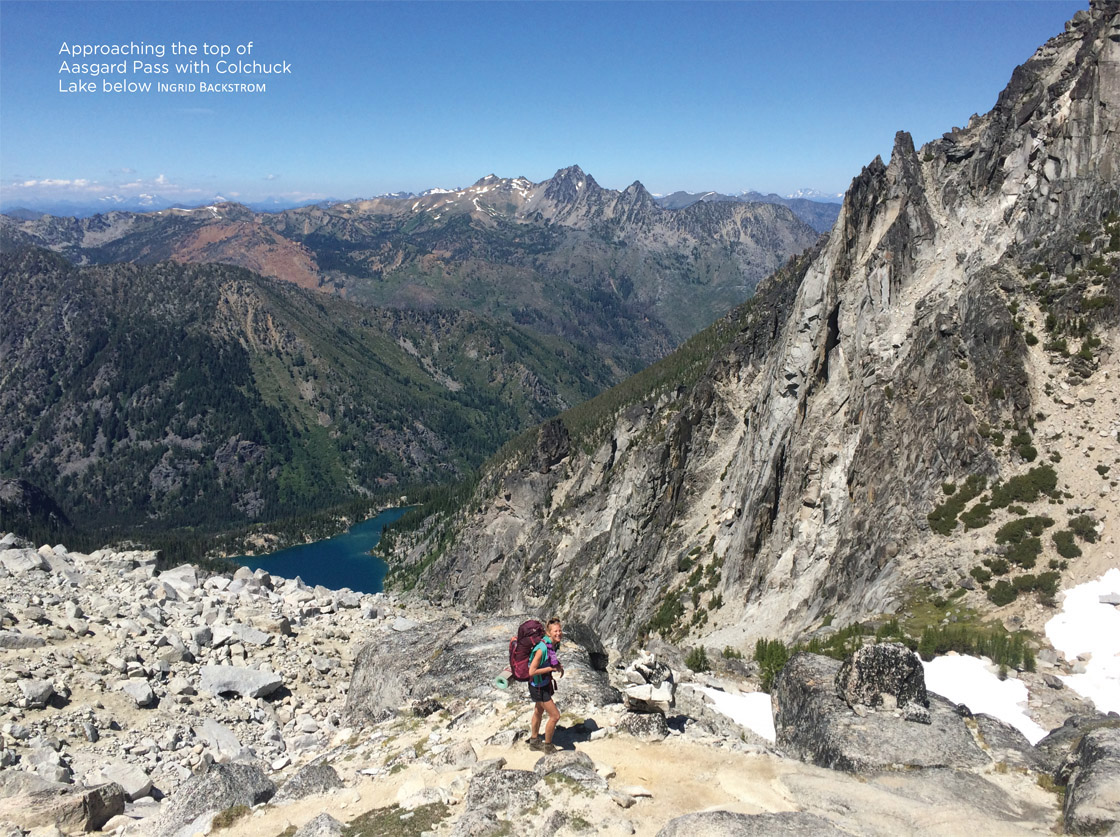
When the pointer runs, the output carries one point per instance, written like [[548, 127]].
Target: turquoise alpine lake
[[341, 561]]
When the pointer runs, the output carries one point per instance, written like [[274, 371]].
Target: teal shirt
[[544, 646]]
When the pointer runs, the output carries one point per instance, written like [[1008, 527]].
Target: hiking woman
[[542, 663]]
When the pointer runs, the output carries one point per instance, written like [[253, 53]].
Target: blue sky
[[388, 96]]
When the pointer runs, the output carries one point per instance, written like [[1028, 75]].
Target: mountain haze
[[818, 214]]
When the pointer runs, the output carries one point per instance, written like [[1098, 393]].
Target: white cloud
[[272, 177]]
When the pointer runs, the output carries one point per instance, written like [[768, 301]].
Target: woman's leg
[[553, 717], [535, 724]]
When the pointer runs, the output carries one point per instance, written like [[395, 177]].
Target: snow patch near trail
[[1087, 627], [972, 681], [752, 710]]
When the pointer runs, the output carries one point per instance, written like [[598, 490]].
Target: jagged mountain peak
[[570, 186]]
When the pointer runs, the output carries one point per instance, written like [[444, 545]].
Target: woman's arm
[[534, 664]]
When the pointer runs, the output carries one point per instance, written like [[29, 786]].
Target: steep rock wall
[[797, 474]]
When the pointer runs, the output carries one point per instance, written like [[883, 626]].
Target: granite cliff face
[[794, 479]]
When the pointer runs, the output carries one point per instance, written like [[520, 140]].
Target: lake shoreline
[[344, 560]]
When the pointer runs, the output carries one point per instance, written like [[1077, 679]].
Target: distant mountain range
[[140, 203], [819, 211], [154, 203], [611, 271]]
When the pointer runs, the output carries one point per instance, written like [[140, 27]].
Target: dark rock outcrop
[[814, 724], [1060, 743], [315, 778], [553, 444], [884, 672], [222, 786], [1092, 803]]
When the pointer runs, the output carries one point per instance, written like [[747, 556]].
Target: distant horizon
[[308, 101], [273, 203]]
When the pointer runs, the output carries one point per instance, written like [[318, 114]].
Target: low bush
[[980, 574], [697, 659], [1085, 527], [1002, 593], [1025, 553], [977, 517], [1025, 488], [998, 566], [1016, 530], [1063, 541], [943, 519], [771, 656]]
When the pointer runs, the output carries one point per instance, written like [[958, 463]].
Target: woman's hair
[[555, 620]]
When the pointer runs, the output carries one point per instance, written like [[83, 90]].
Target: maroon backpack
[[529, 633]]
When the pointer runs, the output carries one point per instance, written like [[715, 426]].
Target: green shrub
[[1025, 488], [1060, 346], [667, 615], [730, 653], [1002, 593], [697, 659], [1028, 453], [1063, 541], [977, 517], [980, 574], [1016, 530], [1048, 582], [1024, 553], [943, 519], [890, 631], [993, 642], [1085, 527], [948, 488], [771, 656], [998, 566]]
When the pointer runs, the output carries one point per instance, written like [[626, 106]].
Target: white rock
[[248, 682], [139, 690], [19, 561], [134, 780]]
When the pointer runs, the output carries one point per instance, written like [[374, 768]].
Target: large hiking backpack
[[529, 633]]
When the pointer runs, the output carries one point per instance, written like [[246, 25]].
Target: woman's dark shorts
[[540, 694]]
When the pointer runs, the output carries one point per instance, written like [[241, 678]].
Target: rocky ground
[[140, 702]]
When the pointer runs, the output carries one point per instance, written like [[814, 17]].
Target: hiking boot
[[536, 744], [547, 747]]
